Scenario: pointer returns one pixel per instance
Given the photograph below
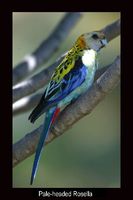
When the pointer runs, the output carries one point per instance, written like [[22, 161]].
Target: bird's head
[[94, 40]]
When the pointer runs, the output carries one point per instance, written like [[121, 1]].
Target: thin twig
[[71, 114], [36, 82], [46, 48], [29, 102]]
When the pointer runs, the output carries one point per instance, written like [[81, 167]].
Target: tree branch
[[25, 104], [71, 114], [38, 81], [112, 30], [46, 48]]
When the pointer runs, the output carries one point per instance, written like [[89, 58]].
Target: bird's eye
[[95, 36]]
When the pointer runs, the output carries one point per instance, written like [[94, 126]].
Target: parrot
[[70, 79]]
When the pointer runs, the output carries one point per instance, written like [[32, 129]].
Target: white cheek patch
[[88, 58], [31, 61]]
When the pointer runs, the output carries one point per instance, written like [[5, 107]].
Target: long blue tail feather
[[45, 131]]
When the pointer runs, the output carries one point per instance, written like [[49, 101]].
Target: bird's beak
[[104, 42]]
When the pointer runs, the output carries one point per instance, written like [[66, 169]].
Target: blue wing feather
[[76, 79], [69, 82]]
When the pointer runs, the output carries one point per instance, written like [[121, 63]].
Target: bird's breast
[[89, 58]]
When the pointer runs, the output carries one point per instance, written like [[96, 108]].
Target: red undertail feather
[[57, 111]]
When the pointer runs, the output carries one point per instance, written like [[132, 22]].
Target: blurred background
[[87, 155]]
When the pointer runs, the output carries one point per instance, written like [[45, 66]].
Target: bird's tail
[[51, 115]]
